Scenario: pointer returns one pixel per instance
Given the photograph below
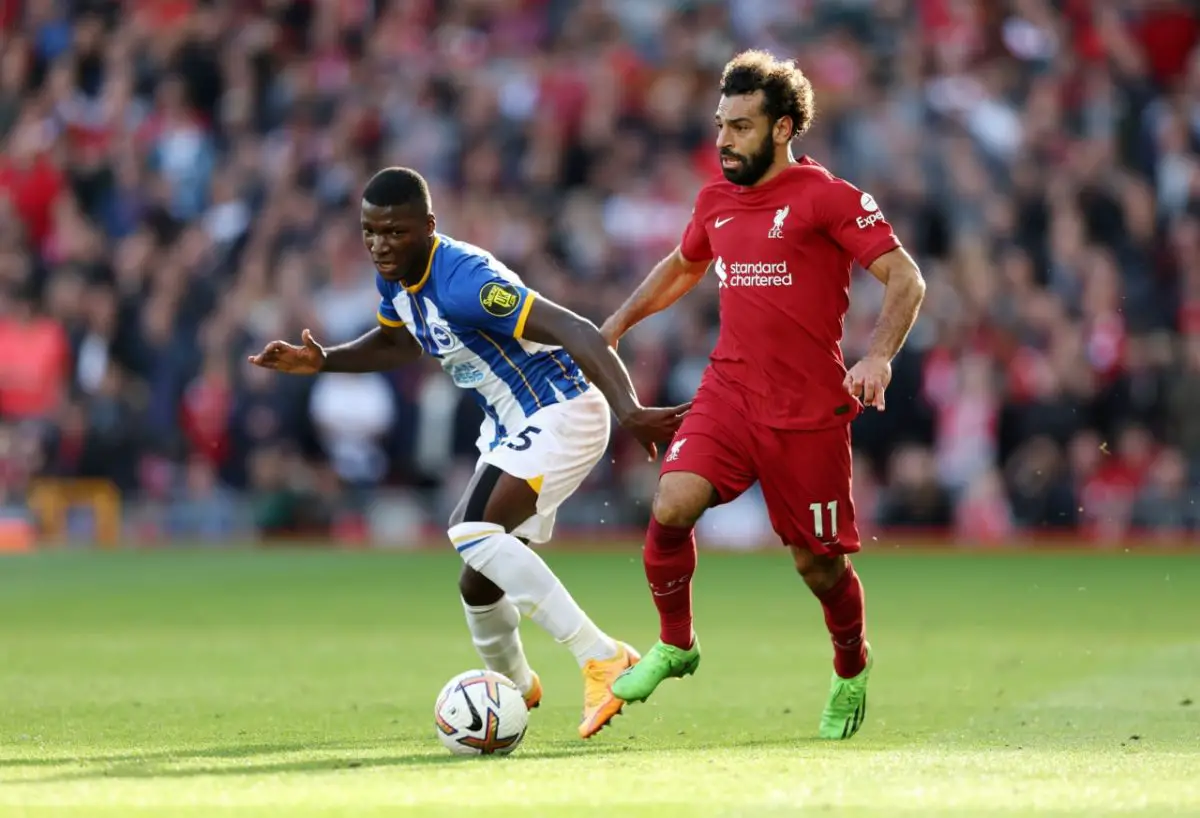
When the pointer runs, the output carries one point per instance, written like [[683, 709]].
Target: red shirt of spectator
[[32, 185], [205, 413], [158, 15], [32, 382], [10, 14], [1167, 33], [1107, 495]]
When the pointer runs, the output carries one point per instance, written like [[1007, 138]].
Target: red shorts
[[805, 475]]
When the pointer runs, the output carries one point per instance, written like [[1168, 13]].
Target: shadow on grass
[[129, 768], [183, 754], [153, 770]]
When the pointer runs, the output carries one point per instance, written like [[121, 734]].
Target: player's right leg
[[493, 618], [494, 622], [705, 465]]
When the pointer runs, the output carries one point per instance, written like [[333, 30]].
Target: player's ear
[[782, 130], [432, 223]]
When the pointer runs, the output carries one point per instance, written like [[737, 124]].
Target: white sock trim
[[467, 535]]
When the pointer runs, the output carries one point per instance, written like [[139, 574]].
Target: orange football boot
[[534, 697], [599, 703]]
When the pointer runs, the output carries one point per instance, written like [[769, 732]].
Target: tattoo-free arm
[[904, 292], [548, 323], [668, 282], [378, 350]]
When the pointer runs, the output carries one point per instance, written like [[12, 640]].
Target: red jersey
[[782, 253]]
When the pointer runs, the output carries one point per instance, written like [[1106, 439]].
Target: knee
[[475, 542], [679, 503], [674, 511], [819, 571], [476, 589]]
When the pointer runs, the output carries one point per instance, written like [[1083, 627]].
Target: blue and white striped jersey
[[469, 311]]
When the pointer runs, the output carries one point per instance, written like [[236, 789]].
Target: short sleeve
[[694, 245], [479, 296], [853, 220], [387, 314]]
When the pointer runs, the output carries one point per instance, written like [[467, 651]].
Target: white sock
[[558, 612], [494, 630], [532, 587]]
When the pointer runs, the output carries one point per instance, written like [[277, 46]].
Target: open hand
[[655, 424], [281, 356], [868, 379]]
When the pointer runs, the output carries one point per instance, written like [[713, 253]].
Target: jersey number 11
[[818, 512]]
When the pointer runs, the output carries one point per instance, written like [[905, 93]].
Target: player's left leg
[[806, 483], [836, 585]]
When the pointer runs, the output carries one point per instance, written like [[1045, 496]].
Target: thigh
[[714, 443], [806, 478], [493, 496], [553, 453]]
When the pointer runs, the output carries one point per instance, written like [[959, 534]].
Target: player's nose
[[724, 138]]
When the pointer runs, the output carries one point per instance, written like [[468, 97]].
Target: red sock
[[845, 616], [670, 561]]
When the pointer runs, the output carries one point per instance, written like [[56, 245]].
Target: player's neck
[[777, 167], [412, 276]]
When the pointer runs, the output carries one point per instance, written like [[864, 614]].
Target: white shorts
[[555, 451]]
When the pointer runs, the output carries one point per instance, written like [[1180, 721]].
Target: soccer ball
[[480, 713]]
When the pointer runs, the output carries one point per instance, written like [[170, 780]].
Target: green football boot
[[661, 662], [847, 706]]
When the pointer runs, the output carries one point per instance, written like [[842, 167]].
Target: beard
[[750, 168]]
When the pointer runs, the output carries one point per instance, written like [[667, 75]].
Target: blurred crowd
[[179, 184]]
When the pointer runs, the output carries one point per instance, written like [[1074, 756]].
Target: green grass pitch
[[302, 683]]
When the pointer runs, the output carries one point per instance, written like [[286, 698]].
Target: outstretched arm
[[548, 323], [383, 348], [669, 281], [378, 350]]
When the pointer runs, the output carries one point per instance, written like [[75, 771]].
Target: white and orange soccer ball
[[480, 713]]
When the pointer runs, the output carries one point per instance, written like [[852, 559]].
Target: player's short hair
[[398, 187], [786, 91]]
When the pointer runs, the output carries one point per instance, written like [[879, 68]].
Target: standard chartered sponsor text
[[759, 274]]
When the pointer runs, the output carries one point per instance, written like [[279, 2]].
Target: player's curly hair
[[786, 91]]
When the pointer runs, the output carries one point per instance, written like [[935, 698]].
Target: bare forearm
[[602, 367], [901, 301], [670, 280], [375, 351]]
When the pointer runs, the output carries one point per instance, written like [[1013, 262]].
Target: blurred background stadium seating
[[179, 184]]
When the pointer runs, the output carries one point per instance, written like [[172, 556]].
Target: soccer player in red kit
[[776, 401]]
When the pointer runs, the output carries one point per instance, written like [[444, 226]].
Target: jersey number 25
[[521, 441]]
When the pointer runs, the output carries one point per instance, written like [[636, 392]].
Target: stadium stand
[[179, 185]]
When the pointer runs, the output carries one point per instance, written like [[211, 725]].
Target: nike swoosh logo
[[720, 222], [476, 719]]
